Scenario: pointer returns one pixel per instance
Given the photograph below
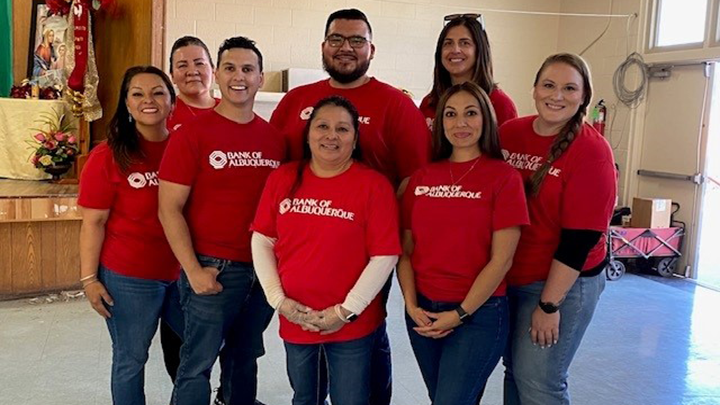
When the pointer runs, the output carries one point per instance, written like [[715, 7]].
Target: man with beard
[[394, 138], [393, 134]]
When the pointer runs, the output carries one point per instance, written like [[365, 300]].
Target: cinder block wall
[[289, 33]]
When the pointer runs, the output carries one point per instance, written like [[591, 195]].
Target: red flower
[[50, 144], [59, 7], [40, 137], [59, 136], [72, 139]]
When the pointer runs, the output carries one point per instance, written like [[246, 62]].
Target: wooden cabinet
[[39, 237]]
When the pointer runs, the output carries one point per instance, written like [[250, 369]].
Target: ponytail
[[567, 135]]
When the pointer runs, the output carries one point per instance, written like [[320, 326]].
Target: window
[[680, 22]]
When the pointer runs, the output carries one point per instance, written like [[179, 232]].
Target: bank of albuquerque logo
[[218, 159], [429, 122], [285, 205], [136, 180], [314, 206], [447, 191], [305, 114]]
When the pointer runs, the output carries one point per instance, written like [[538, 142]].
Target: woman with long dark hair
[[557, 274], [461, 218], [325, 241], [128, 270], [463, 55]]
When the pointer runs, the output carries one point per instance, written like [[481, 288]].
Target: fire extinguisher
[[599, 115]]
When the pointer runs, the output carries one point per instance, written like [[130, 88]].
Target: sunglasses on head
[[473, 16]]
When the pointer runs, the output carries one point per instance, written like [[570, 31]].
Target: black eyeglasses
[[473, 16], [337, 40]]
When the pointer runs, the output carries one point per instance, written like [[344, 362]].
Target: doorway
[[671, 148], [708, 272]]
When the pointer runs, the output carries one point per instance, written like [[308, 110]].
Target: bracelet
[[94, 275], [90, 282], [339, 314]]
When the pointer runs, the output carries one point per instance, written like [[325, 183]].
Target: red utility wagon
[[658, 248]]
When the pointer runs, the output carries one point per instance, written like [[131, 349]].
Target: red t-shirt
[[578, 193], [226, 164], [134, 244], [393, 136], [184, 113], [502, 104], [452, 225], [326, 234]]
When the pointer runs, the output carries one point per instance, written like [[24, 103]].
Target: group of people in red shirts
[[202, 217]]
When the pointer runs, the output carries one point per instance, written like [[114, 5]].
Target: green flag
[[6, 67]]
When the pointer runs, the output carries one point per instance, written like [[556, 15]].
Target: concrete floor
[[651, 343]]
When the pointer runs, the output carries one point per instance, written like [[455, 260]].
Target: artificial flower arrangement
[[25, 90], [54, 145]]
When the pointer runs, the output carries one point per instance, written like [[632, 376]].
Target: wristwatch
[[548, 307], [347, 319], [463, 315]]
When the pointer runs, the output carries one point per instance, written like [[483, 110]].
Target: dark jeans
[[237, 316], [381, 366], [348, 364], [170, 343], [139, 304], [456, 367]]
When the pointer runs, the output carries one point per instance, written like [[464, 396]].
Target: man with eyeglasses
[[393, 136]]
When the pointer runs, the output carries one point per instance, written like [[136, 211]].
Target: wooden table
[[39, 237]]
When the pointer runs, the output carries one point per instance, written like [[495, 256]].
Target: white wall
[[621, 39], [289, 33]]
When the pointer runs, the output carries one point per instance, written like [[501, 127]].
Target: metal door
[[673, 147]]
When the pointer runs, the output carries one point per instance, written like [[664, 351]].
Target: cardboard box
[[651, 213]]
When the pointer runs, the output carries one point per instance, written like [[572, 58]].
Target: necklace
[[192, 109], [452, 178]]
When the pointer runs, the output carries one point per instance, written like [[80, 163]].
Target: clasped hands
[[326, 321], [435, 325]]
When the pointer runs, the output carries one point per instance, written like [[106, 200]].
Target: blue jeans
[[537, 376], [380, 366], [139, 304], [237, 317], [456, 367], [348, 365]]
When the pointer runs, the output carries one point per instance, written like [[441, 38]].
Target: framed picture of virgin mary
[[47, 50]]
